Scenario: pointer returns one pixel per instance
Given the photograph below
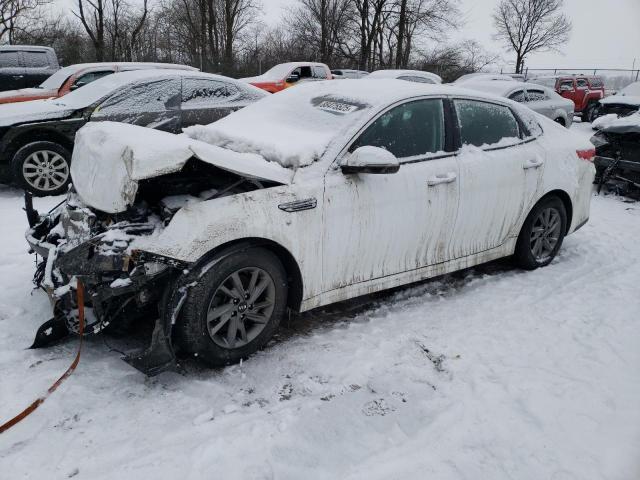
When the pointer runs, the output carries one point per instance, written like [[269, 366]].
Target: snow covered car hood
[[22, 112], [630, 124], [109, 159], [633, 100]]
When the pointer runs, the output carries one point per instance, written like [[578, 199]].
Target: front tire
[[235, 308], [42, 168], [542, 234]]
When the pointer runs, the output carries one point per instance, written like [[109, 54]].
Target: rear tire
[[235, 308], [42, 168], [542, 234]]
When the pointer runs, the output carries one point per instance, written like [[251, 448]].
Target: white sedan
[[538, 98], [319, 194]]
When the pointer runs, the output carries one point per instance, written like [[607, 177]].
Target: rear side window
[[319, 72], [199, 92], [536, 96], [408, 130], [517, 96], [9, 60], [35, 59], [582, 83], [484, 123]]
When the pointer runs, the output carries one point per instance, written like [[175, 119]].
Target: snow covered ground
[[492, 373]]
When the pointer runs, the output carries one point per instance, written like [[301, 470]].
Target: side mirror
[[370, 159], [293, 78], [76, 86]]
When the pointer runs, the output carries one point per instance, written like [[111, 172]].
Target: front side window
[[148, 97], [199, 92], [302, 72], [517, 96], [566, 85], [87, 78], [484, 123], [408, 130]]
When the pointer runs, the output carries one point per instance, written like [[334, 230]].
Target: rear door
[[206, 100], [382, 225], [540, 102], [493, 159], [153, 104], [11, 71]]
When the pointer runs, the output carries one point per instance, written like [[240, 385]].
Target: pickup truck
[[25, 66], [585, 92]]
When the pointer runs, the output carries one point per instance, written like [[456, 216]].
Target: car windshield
[[631, 90], [56, 80]]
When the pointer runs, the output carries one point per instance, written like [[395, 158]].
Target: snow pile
[[493, 373], [296, 126]]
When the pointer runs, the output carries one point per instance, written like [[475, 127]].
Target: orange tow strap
[[31, 408]]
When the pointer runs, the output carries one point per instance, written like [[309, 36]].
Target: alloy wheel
[[45, 170], [241, 307], [545, 234]]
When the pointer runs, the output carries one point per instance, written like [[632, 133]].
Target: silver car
[[537, 97]]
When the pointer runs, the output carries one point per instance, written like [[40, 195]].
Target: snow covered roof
[[296, 126], [57, 79], [479, 76], [281, 71], [402, 73], [98, 89], [503, 88], [629, 95]]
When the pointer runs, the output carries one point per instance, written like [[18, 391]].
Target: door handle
[[533, 163], [442, 178], [18, 77]]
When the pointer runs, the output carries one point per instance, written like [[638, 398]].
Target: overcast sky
[[606, 33]]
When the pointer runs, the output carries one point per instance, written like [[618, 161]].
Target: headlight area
[[121, 284]]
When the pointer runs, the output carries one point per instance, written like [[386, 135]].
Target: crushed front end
[[74, 242]]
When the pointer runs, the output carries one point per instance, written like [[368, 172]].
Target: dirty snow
[[492, 373]]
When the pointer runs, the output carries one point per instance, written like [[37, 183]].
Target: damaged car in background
[[36, 138], [617, 159], [319, 194]]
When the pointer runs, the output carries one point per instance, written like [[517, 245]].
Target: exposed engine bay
[[122, 284]]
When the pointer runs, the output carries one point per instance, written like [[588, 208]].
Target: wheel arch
[[566, 201], [290, 264], [33, 135]]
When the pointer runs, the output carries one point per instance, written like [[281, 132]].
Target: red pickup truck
[[585, 92]]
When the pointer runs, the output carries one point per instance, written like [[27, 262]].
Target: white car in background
[[319, 194], [344, 73], [480, 76], [538, 98], [417, 76]]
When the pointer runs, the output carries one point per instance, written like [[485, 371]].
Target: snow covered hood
[[13, 113], [109, 159], [629, 95], [296, 126], [630, 124]]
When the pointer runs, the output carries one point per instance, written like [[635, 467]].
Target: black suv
[[37, 138], [25, 66]]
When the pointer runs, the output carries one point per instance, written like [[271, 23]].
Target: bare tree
[[13, 11], [528, 26], [92, 15]]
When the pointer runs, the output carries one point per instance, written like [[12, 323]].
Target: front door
[[11, 71], [497, 169], [382, 225]]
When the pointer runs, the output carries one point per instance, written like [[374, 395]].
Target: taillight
[[587, 154]]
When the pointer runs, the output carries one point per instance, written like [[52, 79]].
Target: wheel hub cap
[[241, 307], [45, 170], [545, 234]]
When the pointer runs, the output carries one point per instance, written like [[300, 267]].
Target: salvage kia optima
[[315, 195]]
